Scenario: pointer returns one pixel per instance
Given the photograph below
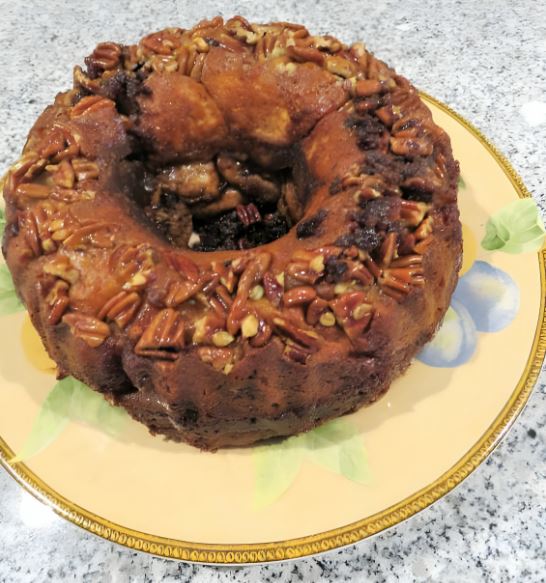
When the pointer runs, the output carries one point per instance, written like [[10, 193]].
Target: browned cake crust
[[208, 127]]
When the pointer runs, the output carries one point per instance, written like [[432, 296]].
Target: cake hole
[[227, 203]]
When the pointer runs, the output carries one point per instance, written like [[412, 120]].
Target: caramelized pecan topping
[[226, 199]]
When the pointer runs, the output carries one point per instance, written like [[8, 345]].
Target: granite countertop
[[487, 60]]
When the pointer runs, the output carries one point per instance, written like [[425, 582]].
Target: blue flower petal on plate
[[455, 341], [490, 295]]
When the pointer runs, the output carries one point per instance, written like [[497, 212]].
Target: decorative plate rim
[[240, 554]]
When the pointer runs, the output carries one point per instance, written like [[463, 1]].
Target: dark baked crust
[[184, 340]]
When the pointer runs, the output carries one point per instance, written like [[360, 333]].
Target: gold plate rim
[[240, 554]]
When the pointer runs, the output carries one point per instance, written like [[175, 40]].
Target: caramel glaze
[[230, 347]]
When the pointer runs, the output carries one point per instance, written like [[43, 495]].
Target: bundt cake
[[235, 232]]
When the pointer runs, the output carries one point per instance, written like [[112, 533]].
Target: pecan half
[[407, 261], [186, 59], [315, 310], [372, 266], [353, 312], [237, 312], [424, 229], [398, 281], [60, 229], [197, 68], [29, 228], [305, 54], [223, 296], [229, 280], [85, 169], [367, 87], [28, 167], [89, 329], [411, 147], [325, 42], [340, 66], [121, 308], [32, 190], [299, 295], [359, 272], [248, 214], [267, 45], [180, 291], [241, 29], [106, 56], [421, 246], [305, 338], [58, 301], [164, 337], [412, 275], [413, 212], [273, 289], [253, 273], [298, 273], [60, 144], [183, 265], [210, 282], [297, 353], [161, 43], [262, 336], [388, 249], [90, 105], [63, 175], [96, 234], [388, 114]]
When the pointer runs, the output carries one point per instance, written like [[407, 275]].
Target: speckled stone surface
[[485, 59]]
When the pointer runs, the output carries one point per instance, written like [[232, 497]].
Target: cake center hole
[[227, 203]]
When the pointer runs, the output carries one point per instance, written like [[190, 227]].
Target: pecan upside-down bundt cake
[[237, 231]]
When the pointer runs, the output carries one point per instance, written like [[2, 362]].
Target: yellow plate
[[431, 430]]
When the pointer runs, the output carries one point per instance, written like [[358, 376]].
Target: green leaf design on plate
[[50, 422], [9, 300], [338, 447], [460, 182], [516, 228], [276, 466], [335, 445], [70, 400]]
